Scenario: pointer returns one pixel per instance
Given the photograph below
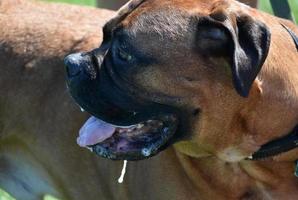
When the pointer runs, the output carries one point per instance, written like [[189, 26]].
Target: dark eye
[[124, 55]]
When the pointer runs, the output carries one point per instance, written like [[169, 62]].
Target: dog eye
[[123, 55], [213, 34]]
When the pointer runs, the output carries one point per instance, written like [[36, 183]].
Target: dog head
[[168, 71]]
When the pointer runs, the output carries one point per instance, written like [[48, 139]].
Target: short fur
[[38, 121]]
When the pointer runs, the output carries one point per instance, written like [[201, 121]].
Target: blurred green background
[[263, 5], [79, 2]]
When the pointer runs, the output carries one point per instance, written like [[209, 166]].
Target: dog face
[[169, 71]]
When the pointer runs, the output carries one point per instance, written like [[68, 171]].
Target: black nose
[[73, 64]]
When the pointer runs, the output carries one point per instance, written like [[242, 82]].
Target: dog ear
[[245, 41]]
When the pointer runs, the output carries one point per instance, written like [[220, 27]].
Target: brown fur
[[39, 121], [232, 127]]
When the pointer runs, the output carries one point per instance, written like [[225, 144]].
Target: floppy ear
[[247, 42]]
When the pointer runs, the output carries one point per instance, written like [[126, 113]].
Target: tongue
[[94, 131]]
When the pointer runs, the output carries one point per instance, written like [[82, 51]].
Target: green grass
[[294, 7], [48, 197], [266, 6], [5, 196]]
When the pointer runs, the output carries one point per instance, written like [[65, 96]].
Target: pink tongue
[[94, 131]]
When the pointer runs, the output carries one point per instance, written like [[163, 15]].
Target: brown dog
[[38, 121], [217, 76]]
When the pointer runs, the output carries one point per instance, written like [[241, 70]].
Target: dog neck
[[286, 143], [216, 179]]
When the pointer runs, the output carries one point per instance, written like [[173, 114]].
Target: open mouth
[[135, 142]]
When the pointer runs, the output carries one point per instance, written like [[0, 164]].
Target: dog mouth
[[134, 142]]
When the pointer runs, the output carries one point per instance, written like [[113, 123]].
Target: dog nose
[[73, 64]]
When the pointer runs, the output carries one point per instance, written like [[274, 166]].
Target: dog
[[38, 120], [216, 79]]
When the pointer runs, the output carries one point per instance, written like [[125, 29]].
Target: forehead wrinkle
[[164, 22], [171, 22], [192, 7], [189, 6], [160, 15]]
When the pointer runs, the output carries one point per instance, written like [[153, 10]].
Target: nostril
[[72, 63], [72, 70]]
